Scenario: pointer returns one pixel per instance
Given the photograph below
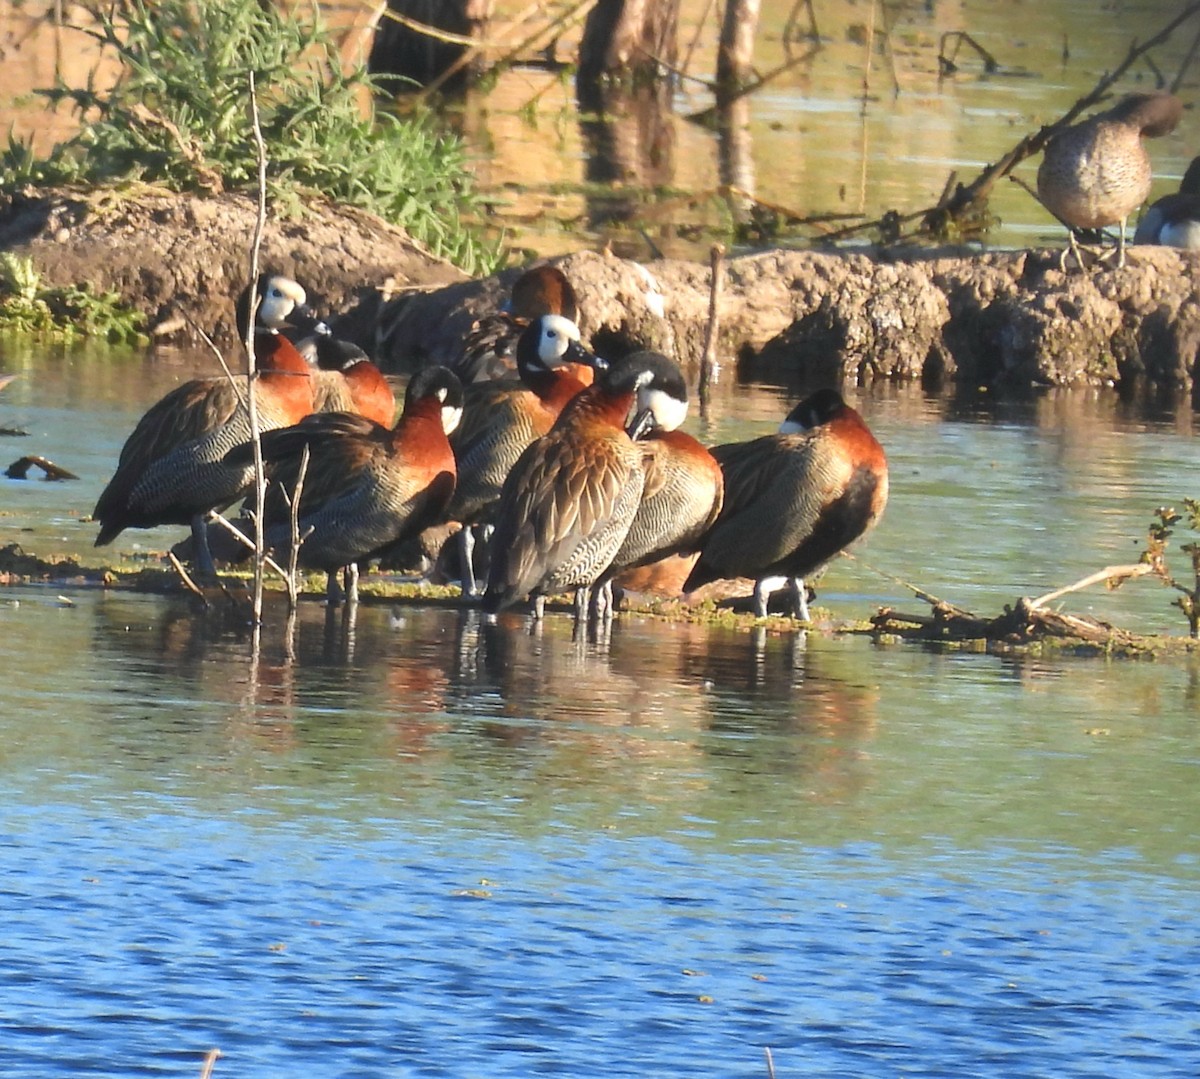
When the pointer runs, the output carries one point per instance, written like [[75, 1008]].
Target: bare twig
[[210, 1061], [920, 593], [561, 24], [260, 486], [1112, 575], [297, 539], [476, 47], [1185, 64], [770, 1062], [708, 361], [247, 542], [185, 577]]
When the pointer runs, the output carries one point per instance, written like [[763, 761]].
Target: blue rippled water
[[136, 936]]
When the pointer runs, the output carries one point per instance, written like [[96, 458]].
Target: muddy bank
[[1008, 319], [1002, 319], [179, 259]]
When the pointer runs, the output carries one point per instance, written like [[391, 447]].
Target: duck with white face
[[683, 488], [569, 502], [367, 487], [171, 468], [503, 417], [793, 500]]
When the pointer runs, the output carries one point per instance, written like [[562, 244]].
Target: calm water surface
[[427, 846]]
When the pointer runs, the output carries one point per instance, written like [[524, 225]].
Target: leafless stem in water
[[260, 486], [210, 1061], [297, 539], [185, 577]]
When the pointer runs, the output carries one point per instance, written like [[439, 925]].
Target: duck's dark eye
[[551, 334], [276, 293]]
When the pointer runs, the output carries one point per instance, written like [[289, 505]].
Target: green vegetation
[[27, 306], [1160, 532], [179, 115]]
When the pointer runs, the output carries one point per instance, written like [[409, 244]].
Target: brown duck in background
[[490, 350], [501, 418], [367, 487], [794, 499], [1096, 173], [1174, 220], [171, 468], [567, 505], [344, 377], [683, 491]]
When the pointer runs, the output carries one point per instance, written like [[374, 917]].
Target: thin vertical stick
[[770, 1062], [210, 1060], [297, 539], [260, 487], [708, 361]]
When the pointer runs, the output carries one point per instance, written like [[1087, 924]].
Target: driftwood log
[[1001, 318]]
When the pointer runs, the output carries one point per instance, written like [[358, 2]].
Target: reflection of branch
[[946, 64], [704, 116]]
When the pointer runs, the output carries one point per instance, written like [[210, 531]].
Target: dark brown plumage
[[501, 418], [490, 350], [794, 499], [171, 468], [567, 505], [683, 491], [366, 487], [1096, 173]]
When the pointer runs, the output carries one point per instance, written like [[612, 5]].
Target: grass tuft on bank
[[178, 115]]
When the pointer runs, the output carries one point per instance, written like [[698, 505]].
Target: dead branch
[[1113, 576], [210, 1061], [260, 484], [297, 539], [185, 577], [19, 469], [708, 361], [969, 197]]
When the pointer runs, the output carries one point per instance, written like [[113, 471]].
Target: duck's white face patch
[[451, 417], [281, 297], [668, 412], [558, 334]]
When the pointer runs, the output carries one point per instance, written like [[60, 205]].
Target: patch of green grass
[[179, 115], [28, 306]]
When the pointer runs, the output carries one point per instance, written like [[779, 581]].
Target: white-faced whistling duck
[[366, 487], [794, 499], [568, 503], [171, 468], [501, 418]]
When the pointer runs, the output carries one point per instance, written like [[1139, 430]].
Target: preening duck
[[568, 504]]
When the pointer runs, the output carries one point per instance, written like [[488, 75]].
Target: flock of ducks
[[574, 470], [569, 468]]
